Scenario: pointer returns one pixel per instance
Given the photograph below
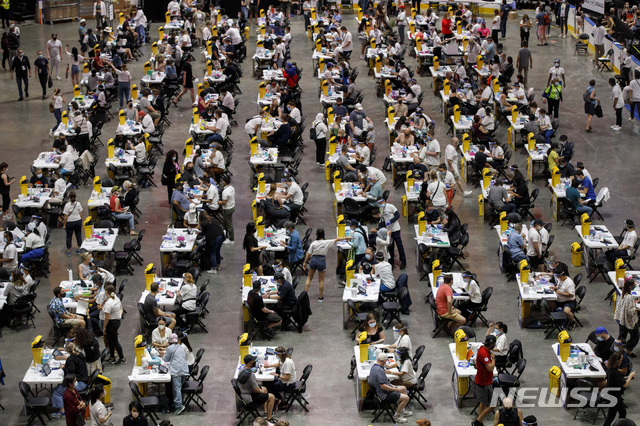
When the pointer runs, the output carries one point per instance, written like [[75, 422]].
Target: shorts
[[453, 317], [318, 263], [456, 173], [392, 397], [571, 304], [273, 318], [259, 398], [590, 108], [254, 9], [535, 261], [73, 322], [155, 115], [483, 394], [75, 69], [285, 6]]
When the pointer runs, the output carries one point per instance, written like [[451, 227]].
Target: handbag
[[599, 110], [50, 83], [51, 108]]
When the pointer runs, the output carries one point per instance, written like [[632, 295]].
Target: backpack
[[547, 21], [586, 96]]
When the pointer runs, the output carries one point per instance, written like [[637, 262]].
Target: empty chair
[[35, 406], [192, 389], [150, 404]]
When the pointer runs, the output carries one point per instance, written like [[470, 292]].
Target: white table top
[[333, 98], [34, 375], [157, 77], [540, 152], [586, 373], [126, 160], [45, 160], [268, 75], [216, 76], [275, 236], [140, 375], [459, 287], [601, 240], [324, 54], [364, 368], [463, 368], [182, 243], [440, 72], [265, 156], [465, 123], [520, 121], [84, 102], [401, 154], [482, 72], [36, 198], [68, 130], [432, 231], [372, 288], [503, 237], [130, 128], [263, 55], [346, 192], [93, 244], [268, 99], [99, 200], [536, 291], [171, 284], [266, 287], [263, 374], [469, 155], [424, 53], [413, 193]]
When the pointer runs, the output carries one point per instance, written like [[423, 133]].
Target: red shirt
[[446, 26], [441, 299], [112, 202], [484, 377]]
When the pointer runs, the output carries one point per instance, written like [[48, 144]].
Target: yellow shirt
[[553, 159]]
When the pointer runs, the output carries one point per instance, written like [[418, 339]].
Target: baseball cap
[[354, 222], [601, 330], [382, 356], [249, 358], [538, 222], [141, 114], [379, 255], [489, 340], [359, 107], [83, 20], [629, 222], [173, 338], [192, 207]]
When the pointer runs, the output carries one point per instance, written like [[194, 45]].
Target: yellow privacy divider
[[138, 345], [246, 275], [422, 223], [243, 345], [149, 274], [524, 271], [461, 344], [564, 345], [585, 223], [37, 349], [504, 223]]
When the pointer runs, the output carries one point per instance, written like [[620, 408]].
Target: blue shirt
[[358, 242], [295, 247], [378, 377], [177, 359], [287, 294], [181, 198], [57, 307], [591, 193], [515, 243]]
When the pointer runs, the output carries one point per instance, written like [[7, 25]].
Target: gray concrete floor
[[324, 344]]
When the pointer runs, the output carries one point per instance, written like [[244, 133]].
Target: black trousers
[[618, 408], [554, 107], [112, 338], [74, 227], [321, 148], [619, 116], [43, 83], [634, 336]]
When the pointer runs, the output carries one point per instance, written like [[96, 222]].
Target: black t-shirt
[[188, 71], [256, 304], [371, 337], [35, 181], [431, 216], [523, 191], [480, 159], [603, 349], [287, 294], [615, 380], [253, 257], [149, 307], [91, 350]]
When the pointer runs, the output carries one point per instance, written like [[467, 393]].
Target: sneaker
[[630, 119], [179, 410], [407, 413], [613, 127], [399, 419], [58, 415], [121, 361], [212, 271], [68, 254], [58, 77], [77, 251], [467, 194], [111, 360], [617, 128], [320, 299], [227, 241]]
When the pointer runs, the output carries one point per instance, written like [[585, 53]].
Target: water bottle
[[254, 277]]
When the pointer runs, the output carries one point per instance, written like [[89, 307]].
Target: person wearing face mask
[[250, 391], [121, 213], [603, 343], [402, 339], [293, 199], [187, 295], [501, 348], [54, 50], [42, 69], [37, 180], [552, 94], [294, 244], [389, 217], [279, 266], [99, 414], [366, 264], [475, 297], [112, 309], [169, 171], [573, 195], [16, 288], [626, 246], [406, 375], [285, 295], [587, 187], [565, 290], [375, 336], [616, 383], [10, 255], [627, 317], [22, 68], [359, 241], [136, 415], [160, 336], [508, 415], [625, 364], [34, 244]]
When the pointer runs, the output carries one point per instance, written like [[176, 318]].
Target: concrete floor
[[323, 343]]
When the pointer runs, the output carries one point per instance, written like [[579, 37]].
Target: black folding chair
[[557, 320], [299, 390], [150, 404], [440, 324], [37, 406], [193, 390], [415, 392], [244, 408]]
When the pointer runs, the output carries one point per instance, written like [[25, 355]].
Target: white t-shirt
[[229, 195], [212, 194], [34, 241], [66, 161], [447, 179], [556, 73], [98, 411], [113, 307], [364, 152], [533, 237], [438, 196], [616, 93], [404, 341], [296, 192], [55, 47], [496, 23], [409, 375], [287, 367], [634, 86], [158, 339], [450, 153], [567, 286], [74, 210], [348, 38], [630, 239], [433, 146], [502, 345], [141, 152], [320, 247], [377, 174], [218, 160], [385, 272], [251, 125], [10, 252], [387, 214]]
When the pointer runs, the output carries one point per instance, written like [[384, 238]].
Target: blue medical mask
[[368, 256], [600, 339], [372, 324], [616, 349], [39, 175]]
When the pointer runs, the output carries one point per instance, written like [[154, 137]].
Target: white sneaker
[[58, 77], [467, 193], [617, 128], [407, 413], [227, 241], [399, 419], [212, 271], [613, 127]]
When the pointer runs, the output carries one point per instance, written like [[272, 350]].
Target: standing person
[[627, 316], [634, 94], [112, 309], [294, 245], [252, 249], [483, 389], [616, 385], [598, 33], [58, 102], [618, 103], [401, 21], [5, 13], [54, 52], [389, 216], [187, 81], [504, 17], [495, 25], [541, 20], [75, 60], [525, 29], [20, 64], [124, 83], [5, 52], [9, 258], [214, 236], [170, 169], [563, 18], [176, 356], [553, 94], [99, 11], [5, 189], [140, 24], [42, 70], [321, 138], [524, 61], [316, 260], [228, 203], [73, 404], [72, 213], [590, 101]]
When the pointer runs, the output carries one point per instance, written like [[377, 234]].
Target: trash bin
[[576, 254], [106, 384], [554, 380]]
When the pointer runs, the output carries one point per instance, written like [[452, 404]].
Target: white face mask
[[161, 327]]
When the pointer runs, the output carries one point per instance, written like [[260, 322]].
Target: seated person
[[151, 310], [604, 343], [37, 180], [365, 266], [479, 131], [419, 171], [565, 290], [499, 198], [258, 309], [573, 195], [280, 137], [406, 138], [497, 153], [388, 393], [587, 187], [431, 214], [191, 218], [179, 201], [475, 296], [625, 248], [160, 336], [567, 170], [363, 153], [406, 375], [285, 293], [384, 270], [119, 212], [516, 244], [546, 129]]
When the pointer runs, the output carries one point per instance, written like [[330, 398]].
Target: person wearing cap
[[250, 392], [285, 294], [508, 415], [384, 270], [146, 121], [483, 388], [260, 311], [565, 290], [191, 218], [357, 120], [534, 245], [387, 392], [176, 356], [82, 28], [627, 245], [603, 343], [119, 212]]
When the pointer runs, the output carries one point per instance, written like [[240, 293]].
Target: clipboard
[[82, 308]]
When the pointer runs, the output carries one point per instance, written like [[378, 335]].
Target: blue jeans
[[584, 209], [214, 248], [58, 393], [396, 239], [177, 382], [384, 288], [216, 137], [57, 113], [19, 80], [141, 33], [126, 216], [245, 11], [34, 254], [547, 135], [123, 92]]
